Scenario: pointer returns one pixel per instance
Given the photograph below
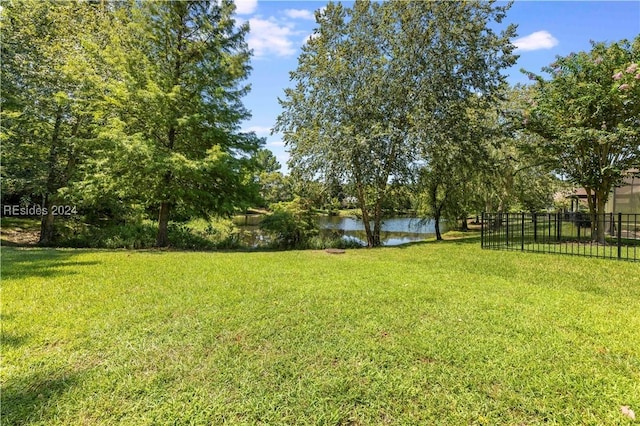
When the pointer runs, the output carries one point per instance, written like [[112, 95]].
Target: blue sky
[[545, 29]]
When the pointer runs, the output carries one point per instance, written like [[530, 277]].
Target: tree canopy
[[588, 114], [49, 89], [140, 101], [381, 87]]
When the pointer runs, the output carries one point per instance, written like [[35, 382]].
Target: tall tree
[[456, 62], [378, 83], [49, 83], [180, 105], [341, 120], [589, 116]]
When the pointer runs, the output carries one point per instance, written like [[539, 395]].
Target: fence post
[[482, 231], [506, 229], [535, 227], [619, 235], [612, 224], [522, 233]]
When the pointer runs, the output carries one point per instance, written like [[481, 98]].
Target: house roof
[[580, 193]]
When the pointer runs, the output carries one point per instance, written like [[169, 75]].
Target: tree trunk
[[436, 219], [367, 224], [47, 230], [362, 201], [162, 239], [601, 201], [465, 225], [375, 242], [377, 225], [437, 210]]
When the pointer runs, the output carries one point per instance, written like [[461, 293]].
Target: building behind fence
[[567, 233]]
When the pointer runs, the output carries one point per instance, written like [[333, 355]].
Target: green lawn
[[433, 333]]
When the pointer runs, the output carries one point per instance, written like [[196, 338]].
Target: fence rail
[[566, 233]]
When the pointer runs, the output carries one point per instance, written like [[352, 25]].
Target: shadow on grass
[[8, 339], [11, 340], [33, 398], [40, 263]]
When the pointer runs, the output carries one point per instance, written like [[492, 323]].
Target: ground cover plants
[[430, 333]]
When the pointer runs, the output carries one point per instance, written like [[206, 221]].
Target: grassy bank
[[432, 333]]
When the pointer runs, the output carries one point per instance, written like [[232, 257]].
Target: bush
[[194, 235], [291, 224], [217, 233], [129, 236]]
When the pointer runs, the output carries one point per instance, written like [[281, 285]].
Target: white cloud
[[536, 41], [276, 143], [300, 14], [268, 37], [246, 7], [259, 130]]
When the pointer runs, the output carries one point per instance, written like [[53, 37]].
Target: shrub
[[291, 224], [198, 234], [130, 236]]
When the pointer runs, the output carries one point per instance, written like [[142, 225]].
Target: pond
[[395, 231]]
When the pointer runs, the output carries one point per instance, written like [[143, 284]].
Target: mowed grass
[[432, 333]]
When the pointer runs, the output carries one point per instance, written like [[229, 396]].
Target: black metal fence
[[566, 233]]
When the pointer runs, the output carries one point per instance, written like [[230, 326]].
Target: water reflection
[[395, 231]]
